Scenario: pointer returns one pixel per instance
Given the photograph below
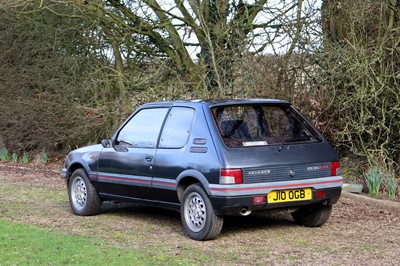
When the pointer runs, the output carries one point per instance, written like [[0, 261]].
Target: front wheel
[[312, 216], [83, 197], [198, 216]]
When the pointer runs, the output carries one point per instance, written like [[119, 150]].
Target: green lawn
[[22, 244]]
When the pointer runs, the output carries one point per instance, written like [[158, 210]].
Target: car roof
[[218, 102]]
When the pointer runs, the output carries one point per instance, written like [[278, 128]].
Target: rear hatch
[[271, 142]]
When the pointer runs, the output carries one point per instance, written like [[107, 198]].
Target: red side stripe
[[164, 184], [126, 179]]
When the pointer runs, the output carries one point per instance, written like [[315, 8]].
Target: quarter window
[[177, 128], [143, 129]]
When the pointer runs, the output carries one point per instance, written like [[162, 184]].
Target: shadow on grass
[[133, 209], [232, 224], [257, 221]]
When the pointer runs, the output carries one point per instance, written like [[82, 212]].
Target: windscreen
[[261, 125]]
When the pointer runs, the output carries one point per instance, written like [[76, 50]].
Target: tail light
[[335, 168], [231, 176]]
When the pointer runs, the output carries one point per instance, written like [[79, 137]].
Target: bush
[[361, 68], [50, 96]]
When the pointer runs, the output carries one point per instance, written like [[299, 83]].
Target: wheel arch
[[73, 167], [189, 177]]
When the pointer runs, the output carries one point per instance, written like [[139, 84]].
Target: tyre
[[312, 216], [198, 216], [83, 197]]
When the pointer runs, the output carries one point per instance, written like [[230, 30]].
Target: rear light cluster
[[335, 168], [231, 176]]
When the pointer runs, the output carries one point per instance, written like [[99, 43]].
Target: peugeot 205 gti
[[209, 159]]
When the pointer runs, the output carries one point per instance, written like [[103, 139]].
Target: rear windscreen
[[261, 125]]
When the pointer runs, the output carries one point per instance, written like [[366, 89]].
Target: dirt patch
[[360, 231]]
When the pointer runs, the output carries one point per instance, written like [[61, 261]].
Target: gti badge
[[291, 173]]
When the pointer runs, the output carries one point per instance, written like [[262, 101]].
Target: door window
[[143, 129]]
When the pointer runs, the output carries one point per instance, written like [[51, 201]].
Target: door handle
[[148, 158]]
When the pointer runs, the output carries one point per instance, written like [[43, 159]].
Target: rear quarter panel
[[197, 159]]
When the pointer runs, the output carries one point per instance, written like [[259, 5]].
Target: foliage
[[374, 180], [43, 157], [14, 157], [49, 100], [379, 180], [361, 68], [40, 158], [4, 156], [25, 158], [73, 70], [352, 169], [62, 88], [391, 186]]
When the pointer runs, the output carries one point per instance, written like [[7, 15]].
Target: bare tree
[[201, 40]]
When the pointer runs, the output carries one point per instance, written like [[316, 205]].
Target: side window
[[143, 129], [177, 128]]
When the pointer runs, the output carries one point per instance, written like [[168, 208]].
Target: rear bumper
[[233, 205], [265, 188]]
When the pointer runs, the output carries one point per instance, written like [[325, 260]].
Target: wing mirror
[[106, 143]]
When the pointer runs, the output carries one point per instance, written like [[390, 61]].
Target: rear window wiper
[[281, 145], [287, 140]]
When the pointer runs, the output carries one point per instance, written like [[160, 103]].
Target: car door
[[125, 169], [173, 155]]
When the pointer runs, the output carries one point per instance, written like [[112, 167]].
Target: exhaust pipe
[[245, 212]]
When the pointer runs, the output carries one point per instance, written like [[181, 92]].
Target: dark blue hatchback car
[[208, 159]]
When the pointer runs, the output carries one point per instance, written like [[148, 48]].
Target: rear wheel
[[198, 216], [83, 197], [312, 216]]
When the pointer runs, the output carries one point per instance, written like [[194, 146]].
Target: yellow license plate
[[289, 195]]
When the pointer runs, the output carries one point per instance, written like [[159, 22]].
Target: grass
[[38, 228], [23, 199], [73, 242], [47, 247]]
